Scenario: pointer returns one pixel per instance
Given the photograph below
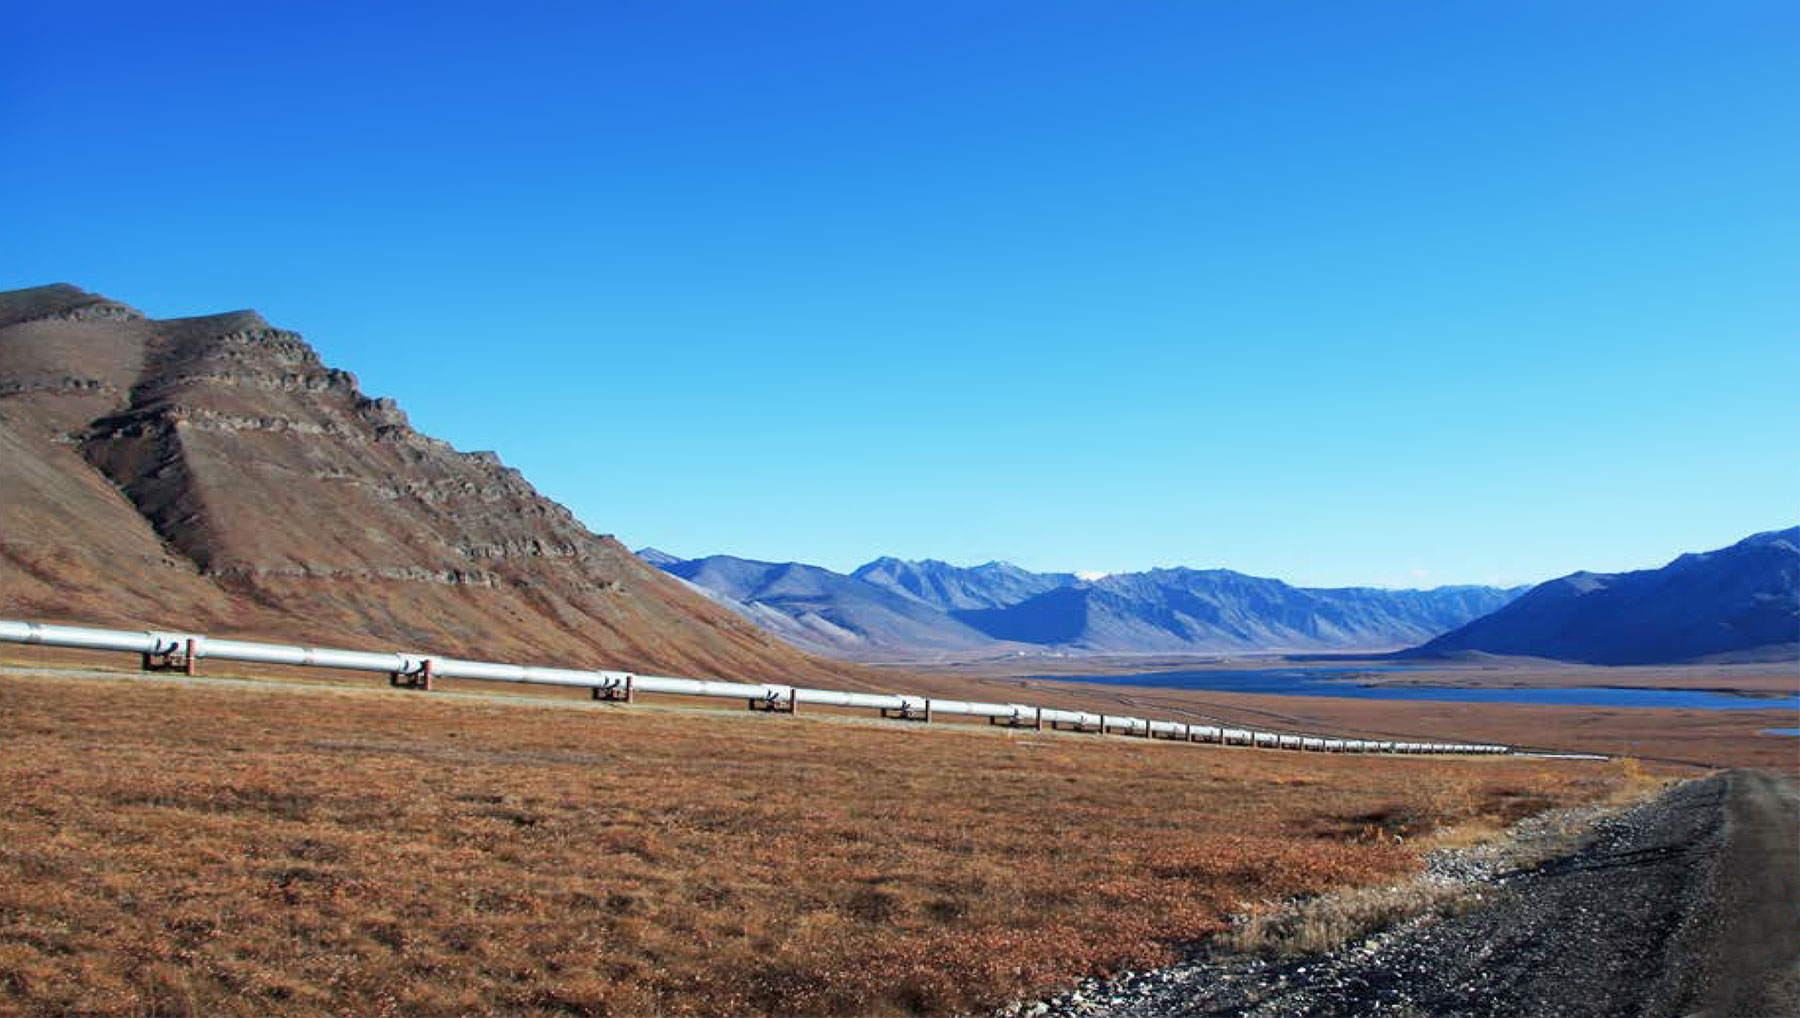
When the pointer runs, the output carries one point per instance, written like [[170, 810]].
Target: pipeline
[[160, 649]]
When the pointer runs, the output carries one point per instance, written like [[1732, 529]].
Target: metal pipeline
[[161, 643]]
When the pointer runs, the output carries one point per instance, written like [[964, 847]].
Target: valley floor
[[204, 846], [1750, 680], [1712, 738]]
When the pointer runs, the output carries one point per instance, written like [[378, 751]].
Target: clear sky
[[1396, 293]]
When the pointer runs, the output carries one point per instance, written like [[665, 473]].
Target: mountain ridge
[[998, 607], [954, 588], [1178, 609], [211, 472], [1739, 602], [834, 611]]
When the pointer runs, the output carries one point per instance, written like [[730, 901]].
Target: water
[[1344, 682], [1781, 731]]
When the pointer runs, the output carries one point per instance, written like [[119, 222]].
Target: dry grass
[[1325, 922], [1321, 924], [180, 848]]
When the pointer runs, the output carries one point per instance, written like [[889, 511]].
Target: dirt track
[[1686, 905], [1746, 954]]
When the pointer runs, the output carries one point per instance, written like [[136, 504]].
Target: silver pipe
[[158, 642]]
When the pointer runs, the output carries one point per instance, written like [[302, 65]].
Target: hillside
[[211, 473], [1736, 603]]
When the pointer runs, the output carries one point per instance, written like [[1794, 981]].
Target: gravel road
[[1686, 905]]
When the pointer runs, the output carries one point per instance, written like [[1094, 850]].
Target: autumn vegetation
[[211, 848]]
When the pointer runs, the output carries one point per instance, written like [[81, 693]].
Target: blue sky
[[1395, 293]]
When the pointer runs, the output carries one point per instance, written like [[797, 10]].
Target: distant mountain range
[[892, 608], [1218, 610], [814, 607], [954, 588], [1740, 603]]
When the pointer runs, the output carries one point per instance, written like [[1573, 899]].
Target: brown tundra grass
[[194, 849]]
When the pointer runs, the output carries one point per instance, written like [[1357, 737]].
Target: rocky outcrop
[[212, 472]]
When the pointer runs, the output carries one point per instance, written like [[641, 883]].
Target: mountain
[[211, 473], [894, 608], [817, 608], [657, 557], [955, 588], [1736, 603], [1218, 610]]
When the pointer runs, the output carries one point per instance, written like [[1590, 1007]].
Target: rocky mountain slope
[[211, 473], [895, 608], [1737, 603]]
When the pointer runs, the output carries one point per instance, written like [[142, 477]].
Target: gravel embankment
[[1666, 909]]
